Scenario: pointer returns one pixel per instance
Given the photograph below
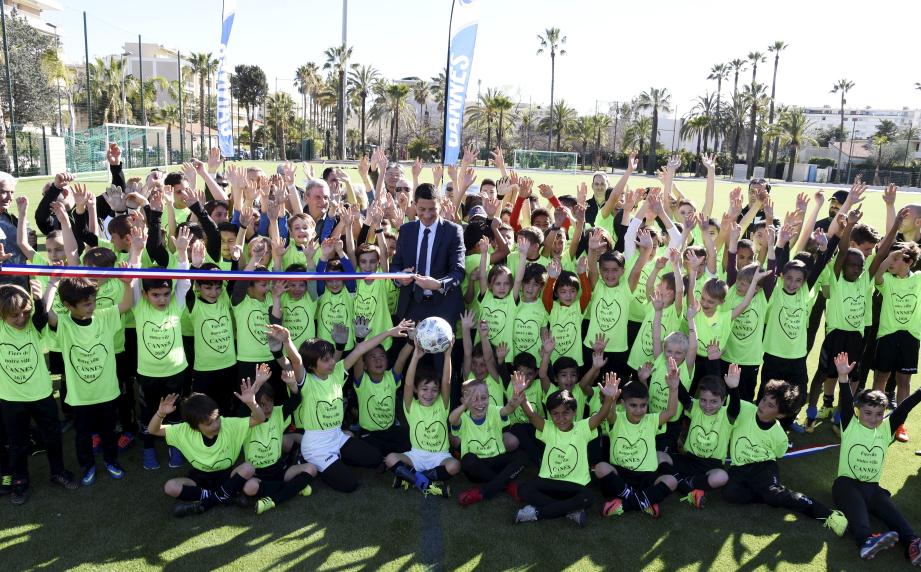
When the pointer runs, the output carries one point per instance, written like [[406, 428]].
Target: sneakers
[[613, 507], [125, 440], [6, 485], [182, 509], [150, 459], [438, 489], [914, 552], [797, 428], [89, 476], [115, 470], [825, 412], [695, 498], [653, 510], [511, 490], [65, 479], [421, 482], [264, 504], [399, 483], [176, 460], [20, 492], [901, 435], [97, 444], [470, 496], [579, 517], [837, 522], [306, 491], [528, 513], [877, 543]]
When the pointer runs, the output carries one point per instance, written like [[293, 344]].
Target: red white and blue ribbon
[[804, 451], [191, 274]]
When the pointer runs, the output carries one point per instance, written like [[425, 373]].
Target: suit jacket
[[447, 267]]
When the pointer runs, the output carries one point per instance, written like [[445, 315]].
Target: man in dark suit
[[432, 249]]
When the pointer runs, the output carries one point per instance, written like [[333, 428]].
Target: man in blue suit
[[432, 250]]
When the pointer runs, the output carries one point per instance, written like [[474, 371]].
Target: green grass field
[[127, 525]]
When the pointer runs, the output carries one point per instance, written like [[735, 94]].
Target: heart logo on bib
[[364, 307], [630, 455], [157, 339], [19, 364], [488, 449], [744, 451], [333, 313], [88, 363], [865, 463], [704, 442], [329, 413], [218, 465], [854, 308], [607, 313], [790, 321], [526, 335], [745, 324], [296, 320], [562, 462], [565, 336], [217, 333], [256, 322], [380, 410], [265, 454], [496, 319], [903, 307], [431, 437]]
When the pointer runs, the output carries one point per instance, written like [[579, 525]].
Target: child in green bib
[[212, 444], [560, 489], [566, 305], [480, 361], [252, 305], [864, 442], [531, 317], [564, 375], [428, 464], [498, 300], [371, 295], [299, 306], [630, 480], [757, 442], [26, 393], [671, 291], [484, 459], [520, 432], [336, 304]]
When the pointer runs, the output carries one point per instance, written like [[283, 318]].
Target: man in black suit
[[432, 249]]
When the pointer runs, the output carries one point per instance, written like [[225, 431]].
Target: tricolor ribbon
[[177, 274]]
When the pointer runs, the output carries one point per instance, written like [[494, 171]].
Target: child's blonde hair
[[13, 300], [678, 340]]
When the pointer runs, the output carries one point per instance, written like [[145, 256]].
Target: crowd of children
[[612, 339]]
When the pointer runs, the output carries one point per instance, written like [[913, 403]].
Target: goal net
[[141, 146], [550, 160]]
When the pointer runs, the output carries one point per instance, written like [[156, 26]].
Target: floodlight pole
[[89, 91], [143, 112], [9, 90], [341, 118], [181, 112]]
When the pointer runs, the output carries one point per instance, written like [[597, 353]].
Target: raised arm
[[672, 379], [608, 208], [22, 228], [709, 161]]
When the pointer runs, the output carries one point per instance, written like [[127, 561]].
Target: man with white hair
[[317, 203], [8, 221]]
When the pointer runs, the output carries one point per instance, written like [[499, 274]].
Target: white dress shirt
[[431, 240]]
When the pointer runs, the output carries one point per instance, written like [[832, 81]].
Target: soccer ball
[[434, 335]]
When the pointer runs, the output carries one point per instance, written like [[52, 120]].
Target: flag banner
[[465, 17], [224, 120], [177, 274]]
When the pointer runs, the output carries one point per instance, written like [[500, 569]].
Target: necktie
[[421, 264]]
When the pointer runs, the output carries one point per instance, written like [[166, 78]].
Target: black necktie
[[421, 264]]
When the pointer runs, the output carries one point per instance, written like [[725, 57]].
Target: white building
[[32, 10], [862, 122]]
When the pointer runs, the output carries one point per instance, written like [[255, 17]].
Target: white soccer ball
[[434, 335]]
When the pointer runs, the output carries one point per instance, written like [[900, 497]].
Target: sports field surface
[[127, 524]]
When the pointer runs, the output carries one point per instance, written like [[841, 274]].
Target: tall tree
[[584, 130], [303, 77], [737, 66], [755, 100], [169, 114], [775, 49], [396, 95], [719, 72], [754, 143], [421, 96], [201, 65], [794, 134], [249, 88], [437, 86], [602, 122], [484, 112], [505, 109], [705, 106], [654, 99], [560, 120], [362, 79], [842, 86], [696, 125], [106, 87], [337, 59], [279, 113], [551, 40]]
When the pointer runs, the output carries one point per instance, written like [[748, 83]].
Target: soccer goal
[[141, 146], [550, 160]]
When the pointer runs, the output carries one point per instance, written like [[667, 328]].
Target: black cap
[[173, 179], [840, 196]]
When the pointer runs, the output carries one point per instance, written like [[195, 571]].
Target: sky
[[615, 50]]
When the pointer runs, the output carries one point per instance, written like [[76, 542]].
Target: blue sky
[[615, 49]]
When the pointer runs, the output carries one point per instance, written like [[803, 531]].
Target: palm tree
[[842, 86], [719, 72], [696, 125], [421, 96], [106, 86], [551, 40], [774, 48], [705, 105], [148, 92], [879, 141], [362, 79], [169, 114], [437, 87], [304, 78], [505, 108], [635, 135], [794, 134], [560, 120], [279, 108], [396, 95], [527, 121], [337, 59], [484, 112], [654, 99], [602, 124], [737, 65], [754, 97], [200, 63], [735, 116], [584, 130]]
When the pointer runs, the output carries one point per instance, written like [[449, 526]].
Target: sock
[[405, 472], [665, 468], [828, 400], [291, 488], [700, 481], [439, 473], [230, 488], [613, 485], [685, 484], [191, 493], [656, 493]]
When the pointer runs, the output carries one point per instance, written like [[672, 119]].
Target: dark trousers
[[554, 498], [17, 418], [858, 500], [528, 442], [395, 439], [150, 391], [760, 483], [220, 385], [56, 367], [125, 369], [748, 379], [355, 453], [492, 473], [100, 419], [792, 371]]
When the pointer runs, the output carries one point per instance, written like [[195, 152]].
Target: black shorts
[[687, 465], [897, 352], [837, 341], [274, 472], [637, 479], [209, 480]]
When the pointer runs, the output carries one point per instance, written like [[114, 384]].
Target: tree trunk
[[252, 136], [6, 161], [792, 162], [751, 143], [201, 114], [697, 157], [651, 160], [552, 86], [716, 133], [169, 143], [364, 118]]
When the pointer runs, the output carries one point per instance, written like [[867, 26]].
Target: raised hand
[[263, 373], [672, 378], [468, 318], [611, 387], [181, 241], [554, 269], [713, 350], [167, 404], [247, 392], [417, 168], [733, 376], [22, 204], [362, 327], [278, 333], [709, 162], [842, 365], [114, 154], [890, 193], [548, 344], [645, 372], [340, 334], [197, 254], [214, 159]]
